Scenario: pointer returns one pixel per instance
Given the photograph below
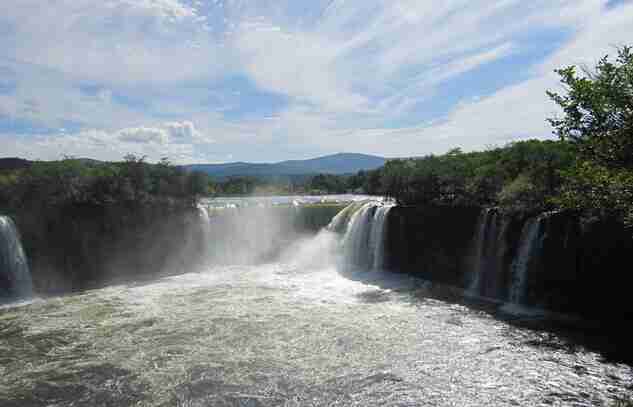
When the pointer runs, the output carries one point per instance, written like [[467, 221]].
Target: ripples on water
[[286, 335]]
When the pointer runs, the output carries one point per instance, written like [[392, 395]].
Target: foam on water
[[292, 332]]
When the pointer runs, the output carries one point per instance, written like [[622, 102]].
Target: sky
[[267, 80]]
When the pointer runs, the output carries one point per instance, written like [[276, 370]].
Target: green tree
[[598, 122], [598, 110]]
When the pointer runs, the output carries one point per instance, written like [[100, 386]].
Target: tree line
[[73, 181], [589, 168]]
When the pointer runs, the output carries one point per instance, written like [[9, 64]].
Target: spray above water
[[248, 235], [15, 277], [354, 238]]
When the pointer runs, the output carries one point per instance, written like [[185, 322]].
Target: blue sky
[[264, 80]]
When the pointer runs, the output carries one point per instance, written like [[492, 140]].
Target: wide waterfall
[[364, 234], [15, 277], [255, 235], [270, 317], [260, 233]]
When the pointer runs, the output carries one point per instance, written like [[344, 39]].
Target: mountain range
[[341, 163]]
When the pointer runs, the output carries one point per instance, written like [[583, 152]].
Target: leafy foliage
[[522, 175], [590, 167], [598, 122], [75, 181], [598, 111]]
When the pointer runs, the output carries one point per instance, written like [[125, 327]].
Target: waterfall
[[15, 278], [234, 235], [490, 248], [378, 236], [479, 251], [340, 222], [206, 222], [255, 235], [529, 245], [363, 242], [489, 252]]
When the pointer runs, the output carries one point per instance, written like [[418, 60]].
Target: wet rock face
[[434, 243], [81, 247], [575, 266], [584, 268]]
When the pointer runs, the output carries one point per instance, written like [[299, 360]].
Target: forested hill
[[13, 163], [342, 163]]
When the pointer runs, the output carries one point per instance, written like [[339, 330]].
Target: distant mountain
[[342, 163], [13, 163]]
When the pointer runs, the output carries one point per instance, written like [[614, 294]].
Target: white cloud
[[184, 132], [144, 135], [351, 71], [520, 111], [364, 56], [171, 132], [112, 41], [177, 140], [296, 64]]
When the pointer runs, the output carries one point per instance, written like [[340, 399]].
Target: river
[[297, 332]]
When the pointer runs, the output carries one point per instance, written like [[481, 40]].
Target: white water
[[15, 277], [268, 201], [363, 241], [379, 236], [245, 235], [295, 332], [341, 221]]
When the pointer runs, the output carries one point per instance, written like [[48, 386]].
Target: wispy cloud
[[269, 80]]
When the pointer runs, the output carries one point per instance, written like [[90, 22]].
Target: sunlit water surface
[[275, 200], [282, 335]]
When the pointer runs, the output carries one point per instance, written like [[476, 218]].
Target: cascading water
[[489, 252], [206, 221], [15, 277], [339, 223], [363, 241], [529, 245], [479, 251], [288, 333], [378, 236]]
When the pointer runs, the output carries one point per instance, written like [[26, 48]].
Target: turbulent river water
[[293, 333]]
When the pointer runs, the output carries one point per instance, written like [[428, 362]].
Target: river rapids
[[298, 332]]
